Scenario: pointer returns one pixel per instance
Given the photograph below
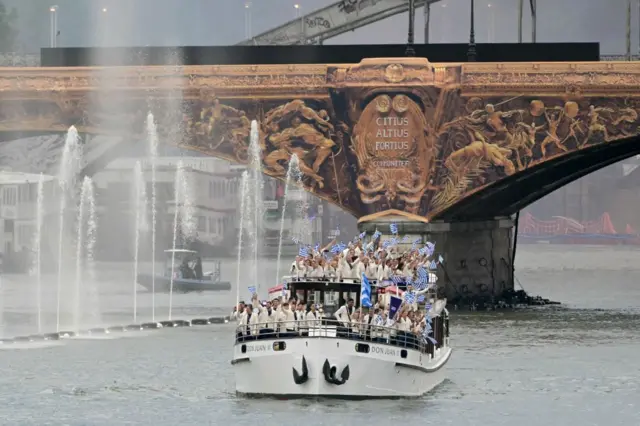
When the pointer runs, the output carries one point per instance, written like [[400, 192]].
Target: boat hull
[[386, 371], [163, 284]]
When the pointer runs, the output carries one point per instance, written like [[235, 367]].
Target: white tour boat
[[325, 359]]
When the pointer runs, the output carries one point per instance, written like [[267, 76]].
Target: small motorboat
[[183, 271]]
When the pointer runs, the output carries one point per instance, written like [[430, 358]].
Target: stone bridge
[[451, 150]]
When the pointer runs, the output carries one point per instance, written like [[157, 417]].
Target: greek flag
[[365, 292], [378, 320], [427, 331], [285, 286], [295, 240], [252, 290], [440, 260], [433, 265], [394, 228], [421, 298], [423, 251], [409, 297], [430, 248], [405, 239], [376, 234], [397, 279], [304, 251], [423, 275], [317, 247], [364, 234], [338, 248]]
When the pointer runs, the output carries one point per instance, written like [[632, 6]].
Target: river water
[[575, 364]]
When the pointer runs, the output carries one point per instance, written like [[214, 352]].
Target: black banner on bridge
[[326, 54]]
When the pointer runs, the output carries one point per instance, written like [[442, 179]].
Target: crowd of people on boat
[[292, 317], [391, 262], [394, 259]]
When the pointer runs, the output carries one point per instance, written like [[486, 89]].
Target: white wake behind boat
[[329, 360]]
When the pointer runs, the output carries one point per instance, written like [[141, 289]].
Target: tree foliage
[[8, 30]]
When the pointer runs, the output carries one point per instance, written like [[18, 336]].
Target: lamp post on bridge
[[410, 36], [471, 51], [53, 15]]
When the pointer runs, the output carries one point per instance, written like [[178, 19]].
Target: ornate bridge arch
[[436, 141]]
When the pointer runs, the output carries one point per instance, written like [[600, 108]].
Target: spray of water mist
[[91, 236], [38, 246], [243, 204], [257, 186], [140, 226], [69, 167], [293, 178], [183, 221], [152, 138], [80, 236]]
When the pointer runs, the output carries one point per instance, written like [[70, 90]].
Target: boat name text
[[383, 351], [259, 348]]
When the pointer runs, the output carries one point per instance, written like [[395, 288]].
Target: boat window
[[331, 298], [363, 348], [243, 349], [403, 353], [279, 346]]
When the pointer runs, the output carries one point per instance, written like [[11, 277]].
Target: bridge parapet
[[386, 134]]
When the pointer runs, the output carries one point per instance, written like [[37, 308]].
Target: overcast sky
[[222, 22]]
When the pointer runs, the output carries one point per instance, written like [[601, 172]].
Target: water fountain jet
[[294, 177], [243, 204], [67, 175], [140, 203], [152, 137], [257, 186], [38, 247]]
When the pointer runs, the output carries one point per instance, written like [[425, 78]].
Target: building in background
[[18, 217], [214, 186]]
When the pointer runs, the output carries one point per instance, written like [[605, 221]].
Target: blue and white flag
[[397, 279], [376, 234], [430, 248], [423, 251], [252, 290], [394, 228], [421, 298], [295, 240], [433, 266], [409, 297], [405, 239], [317, 247], [285, 286], [378, 320], [423, 275], [365, 292], [440, 260], [426, 333], [362, 235], [303, 251]]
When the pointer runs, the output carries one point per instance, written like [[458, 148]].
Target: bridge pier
[[477, 256]]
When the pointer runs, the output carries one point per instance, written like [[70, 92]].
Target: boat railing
[[330, 328]]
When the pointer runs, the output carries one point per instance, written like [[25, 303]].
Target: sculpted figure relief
[[218, 124], [491, 143], [295, 128]]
